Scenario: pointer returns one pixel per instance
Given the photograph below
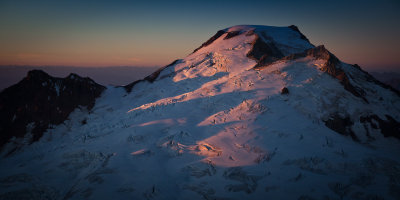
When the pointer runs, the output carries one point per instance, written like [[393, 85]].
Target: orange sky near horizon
[[129, 33]]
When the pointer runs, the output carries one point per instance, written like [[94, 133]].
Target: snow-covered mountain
[[256, 112]]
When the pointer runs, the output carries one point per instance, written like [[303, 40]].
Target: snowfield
[[212, 127]]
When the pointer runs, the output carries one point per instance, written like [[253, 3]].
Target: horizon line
[[81, 66]]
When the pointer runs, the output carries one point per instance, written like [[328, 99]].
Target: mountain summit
[[254, 112]]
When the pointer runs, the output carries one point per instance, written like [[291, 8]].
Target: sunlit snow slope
[[256, 112]]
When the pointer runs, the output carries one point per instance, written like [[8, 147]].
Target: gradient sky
[[148, 33]]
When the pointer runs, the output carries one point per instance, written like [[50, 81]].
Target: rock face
[[302, 36], [341, 125], [389, 127], [285, 90], [39, 100], [264, 52]]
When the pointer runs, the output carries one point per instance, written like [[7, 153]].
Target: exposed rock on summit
[[302, 36], [211, 40], [264, 52]]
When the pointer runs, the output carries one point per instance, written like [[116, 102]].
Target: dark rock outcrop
[[40, 100], [295, 28], [389, 127], [341, 125], [231, 34], [285, 90], [264, 52]]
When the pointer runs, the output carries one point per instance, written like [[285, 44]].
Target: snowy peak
[[234, 53], [263, 44], [229, 50], [285, 40]]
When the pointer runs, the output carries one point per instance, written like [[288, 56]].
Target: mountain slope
[[256, 112]]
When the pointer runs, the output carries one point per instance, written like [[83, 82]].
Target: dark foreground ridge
[[39, 100]]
